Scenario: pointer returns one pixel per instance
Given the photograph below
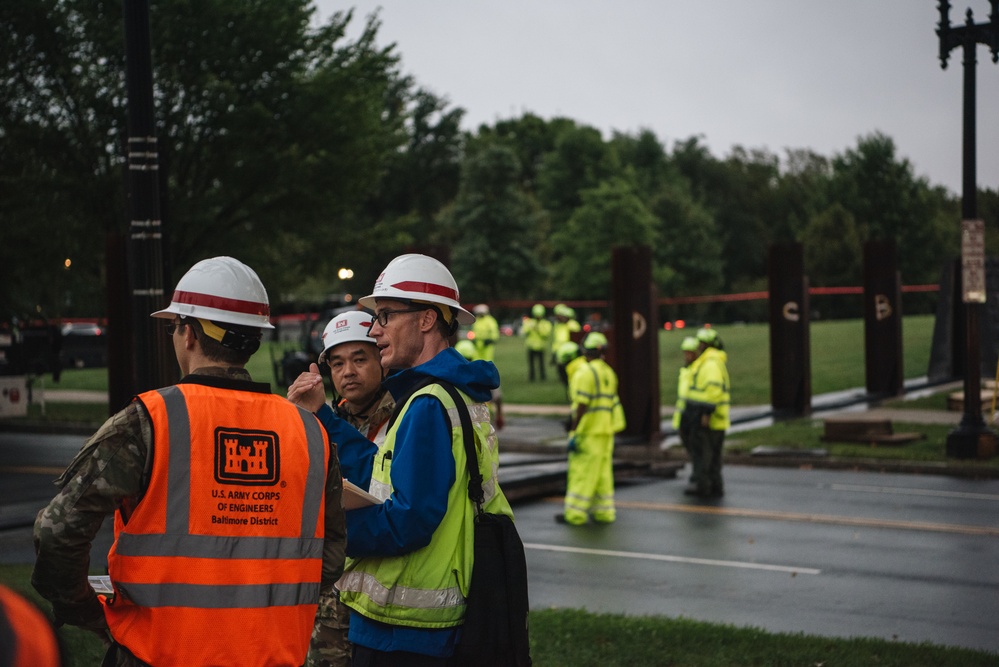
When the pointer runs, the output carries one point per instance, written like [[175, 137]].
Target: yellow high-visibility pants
[[590, 485]]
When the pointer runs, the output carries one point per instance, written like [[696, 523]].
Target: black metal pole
[[144, 237], [971, 438], [972, 418]]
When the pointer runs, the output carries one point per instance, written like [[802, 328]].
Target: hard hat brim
[[463, 316], [212, 315]]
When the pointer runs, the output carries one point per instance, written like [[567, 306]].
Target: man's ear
[[428, 319], [190, 337]]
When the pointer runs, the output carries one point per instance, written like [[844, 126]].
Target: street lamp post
[[971, 438]]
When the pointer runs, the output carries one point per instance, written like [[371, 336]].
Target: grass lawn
[[837, 362], [806, 434], [576, 638]]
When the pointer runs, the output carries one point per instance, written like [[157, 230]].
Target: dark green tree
[[688, 248], [270, 130], [988, 210], [581, 160], [833, 248], [530, 137], [610, 215], [889, 202], [497, 230], [802, 192], [646, 156]]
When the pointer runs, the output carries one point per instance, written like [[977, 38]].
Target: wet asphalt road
[[904, 557], [834, 553]]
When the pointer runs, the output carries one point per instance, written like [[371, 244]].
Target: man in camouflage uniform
[[112, 471], [356, 372]]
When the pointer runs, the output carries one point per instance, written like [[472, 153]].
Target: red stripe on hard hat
[[426, 288], [222, 303]]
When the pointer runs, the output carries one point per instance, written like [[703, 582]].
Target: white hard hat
[[220, 289], [481, 309], [349, 327], [418, 278]]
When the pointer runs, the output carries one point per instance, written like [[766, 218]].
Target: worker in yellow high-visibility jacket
[[537, 332], [706, 413], [596, 417], [487, 333], [689, 348]]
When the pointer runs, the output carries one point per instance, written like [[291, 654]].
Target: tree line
[[301, 150]]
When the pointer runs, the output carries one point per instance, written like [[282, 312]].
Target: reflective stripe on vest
[[415, 598]]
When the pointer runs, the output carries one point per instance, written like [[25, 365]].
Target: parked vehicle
[[84, 345]]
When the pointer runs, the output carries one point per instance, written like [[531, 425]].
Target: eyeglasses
[[382, 318], [172, 327]]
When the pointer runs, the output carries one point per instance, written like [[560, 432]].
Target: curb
[[962, 470]]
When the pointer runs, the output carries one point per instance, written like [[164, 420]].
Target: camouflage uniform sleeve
[[106, 474], [335, 542]]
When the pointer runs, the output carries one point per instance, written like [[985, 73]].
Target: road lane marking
[[814, 518], [672, 559], [900, 490]]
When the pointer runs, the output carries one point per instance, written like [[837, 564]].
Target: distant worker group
[[543, 336]]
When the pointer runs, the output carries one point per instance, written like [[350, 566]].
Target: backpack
[[495, 632]]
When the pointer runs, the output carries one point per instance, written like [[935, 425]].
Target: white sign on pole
[[973, 260]]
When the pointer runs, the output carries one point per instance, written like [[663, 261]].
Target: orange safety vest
[[220, 563], [26, 638]]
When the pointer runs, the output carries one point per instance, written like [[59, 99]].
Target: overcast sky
[[773, 74]]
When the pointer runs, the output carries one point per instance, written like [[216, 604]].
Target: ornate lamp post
[[971, 438]]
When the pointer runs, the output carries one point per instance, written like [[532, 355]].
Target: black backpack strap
[[468, 437]]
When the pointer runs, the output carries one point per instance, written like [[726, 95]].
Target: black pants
[[708, 443], [535, 357]]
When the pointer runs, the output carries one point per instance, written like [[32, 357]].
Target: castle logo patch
[[246, 457]]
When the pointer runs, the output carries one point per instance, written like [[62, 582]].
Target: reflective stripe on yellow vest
[[226, 544], [427, 587]]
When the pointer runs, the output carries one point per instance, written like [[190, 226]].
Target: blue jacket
[[422, 475]]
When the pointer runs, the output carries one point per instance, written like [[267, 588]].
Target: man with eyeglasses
[[355, 370], [410, 557], [227, 502]]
